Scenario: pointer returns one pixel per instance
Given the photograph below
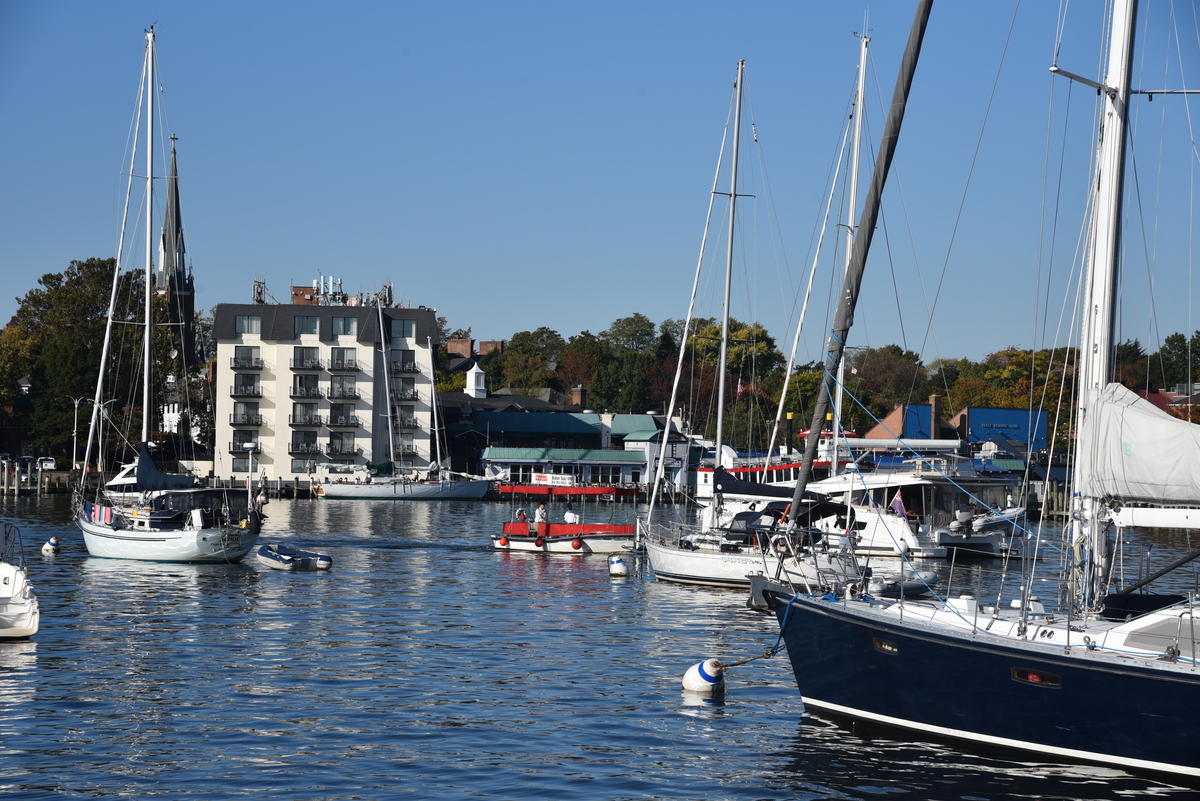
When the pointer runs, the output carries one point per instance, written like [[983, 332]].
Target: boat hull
[[1075, 705], [226, 544], [19, 612], [407, 491], [565, 538]]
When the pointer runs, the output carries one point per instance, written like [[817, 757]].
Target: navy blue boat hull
[[966, 688]]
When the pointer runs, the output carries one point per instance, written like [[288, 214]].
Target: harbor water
[[424, 664]]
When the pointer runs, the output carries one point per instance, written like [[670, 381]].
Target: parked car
[[25, 468], [47, 463]]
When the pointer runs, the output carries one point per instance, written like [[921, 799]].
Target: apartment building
[[310, 387]]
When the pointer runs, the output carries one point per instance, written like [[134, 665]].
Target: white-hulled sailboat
[[157, 517]]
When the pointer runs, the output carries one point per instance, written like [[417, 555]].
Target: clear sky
[[546, 163]]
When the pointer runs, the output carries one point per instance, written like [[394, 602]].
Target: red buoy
[[539, 542], [577, 543], [504, 542]]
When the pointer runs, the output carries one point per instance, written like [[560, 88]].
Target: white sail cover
[[1131, 450]]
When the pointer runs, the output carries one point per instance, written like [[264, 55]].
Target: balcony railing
[[307, 392], [337, 450], [305, 420], [406, 450], [304, 448], [307, 364], [343, 392], [344, 421], [406, 394], [246, 363], [245, 419], [345, 363], [245, 392], [405, 367], [244, 447], [407, 423]]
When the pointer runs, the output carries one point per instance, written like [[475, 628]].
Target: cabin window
[[345, 325], [307, 325], [1038, 678], [404, 329], [247, 324], [886, 646]]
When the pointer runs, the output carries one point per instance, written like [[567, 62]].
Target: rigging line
[[970, 172], [777, 244]]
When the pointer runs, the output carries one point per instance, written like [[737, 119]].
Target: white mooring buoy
[[51, 546], [705, 677], [617, 566]]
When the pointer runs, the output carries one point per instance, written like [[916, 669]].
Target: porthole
[[1038, 678]]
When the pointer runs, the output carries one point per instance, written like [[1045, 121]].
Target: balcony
[[406, 395], [405, 368], [406, 450], [246, 363], [350, 421], [305, 420], [407, 424], [306, 392], [345, 363], [304, 449], [336, 450], [244, 447], [245, 391], [245, 419], [343, 393], [307, 364]]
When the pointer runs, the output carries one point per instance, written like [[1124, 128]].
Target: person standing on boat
[[571, 516], [539, 514]]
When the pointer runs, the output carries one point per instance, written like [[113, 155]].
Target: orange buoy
[[539, 542], [577, 543], [504, 542]]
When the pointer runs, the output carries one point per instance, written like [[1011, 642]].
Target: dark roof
[[278, 320]]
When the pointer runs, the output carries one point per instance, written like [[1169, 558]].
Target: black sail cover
[[150, 478]]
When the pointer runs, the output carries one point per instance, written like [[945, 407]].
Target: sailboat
[[439, 485], [724, 550], [156, 516], [1111, 678]]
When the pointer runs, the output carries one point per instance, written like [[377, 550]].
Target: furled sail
[[1131, 450]]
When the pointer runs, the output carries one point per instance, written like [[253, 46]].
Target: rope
[[773, 650]]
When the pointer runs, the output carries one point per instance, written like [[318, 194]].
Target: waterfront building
[[303, 388]]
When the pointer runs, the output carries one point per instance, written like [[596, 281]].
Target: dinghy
[[284, 557]]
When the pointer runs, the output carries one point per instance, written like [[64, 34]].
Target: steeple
[[174, 277]]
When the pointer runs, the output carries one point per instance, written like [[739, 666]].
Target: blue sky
[[525, 164]]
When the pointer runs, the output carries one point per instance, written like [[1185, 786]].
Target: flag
[[741, 389], [898, 505], [853, 371]]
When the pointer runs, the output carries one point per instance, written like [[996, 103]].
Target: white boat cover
[[1131, 450]]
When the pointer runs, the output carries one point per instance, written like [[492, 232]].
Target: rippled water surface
[[426, 664]]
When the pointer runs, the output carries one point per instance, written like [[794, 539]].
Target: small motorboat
[[285, 557]]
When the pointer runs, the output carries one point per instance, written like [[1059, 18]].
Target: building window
[[404, 444], [345, 325], [247, 324], [245, 413], [405, 389], [244, 384], [246, 356], [404, 329], [305, 358], [606, 474], [305, 386], [307, 325], [520, 473], [343, 359], [301, 466], [304, 442], [304, 413], [241, 464], [343, 386], [635, 476], [243, 437], [341, 443], [341, 414]]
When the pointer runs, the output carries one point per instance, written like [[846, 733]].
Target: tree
[[633, 333], [531, 357]]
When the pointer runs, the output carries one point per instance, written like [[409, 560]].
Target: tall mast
[[852, 206], [862, 244], [733, 171], [385, 350], [433, 402], [150, 62], [1096, 339]]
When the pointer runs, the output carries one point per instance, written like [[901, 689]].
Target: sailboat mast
[[385, 350], [146, 411], [852, 206], [733, 172], [1096, 339], [862, 244], [433, 404]]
